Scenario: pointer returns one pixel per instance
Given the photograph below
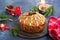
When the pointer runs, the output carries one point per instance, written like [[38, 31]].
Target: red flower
[[15, 11], [54, 27], [3, 27]]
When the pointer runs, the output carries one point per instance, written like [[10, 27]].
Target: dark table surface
[[25, 5]]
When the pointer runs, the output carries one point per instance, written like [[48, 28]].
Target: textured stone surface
[[25, 5]]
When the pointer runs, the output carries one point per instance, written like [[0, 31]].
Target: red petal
[[17, 7], [50, 27], [5, 25], [7, 28], [3, 29], [51, 23], [0, 25], [58, 16], [52, 19], [58, 20], [54, 34], [17, 11]]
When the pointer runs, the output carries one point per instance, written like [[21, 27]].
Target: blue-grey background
[[25, 5]]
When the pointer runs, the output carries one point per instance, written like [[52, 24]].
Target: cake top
[[32, 19]]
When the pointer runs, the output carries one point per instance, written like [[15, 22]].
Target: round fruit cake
[[32, 22]]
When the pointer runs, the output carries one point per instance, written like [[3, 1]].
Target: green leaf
[[14, 32], [34, 9], [46, 12], [3, 16], [49, 11]]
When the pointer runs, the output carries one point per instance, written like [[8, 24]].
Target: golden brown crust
[[32, 22]]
